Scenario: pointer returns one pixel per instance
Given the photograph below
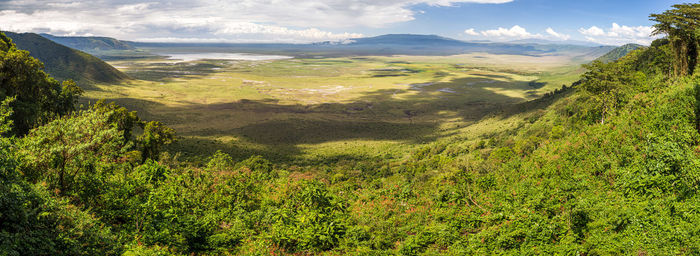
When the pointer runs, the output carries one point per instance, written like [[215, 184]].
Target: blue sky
[[605, 22], [565, 16]]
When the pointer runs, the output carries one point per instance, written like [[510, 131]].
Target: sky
[[610, 22]]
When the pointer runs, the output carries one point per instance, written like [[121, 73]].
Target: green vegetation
[[683, 30], [90, 44], [608, 166], [105, 48], [618, 53], [296, 109], [65, 63], [36, 96]]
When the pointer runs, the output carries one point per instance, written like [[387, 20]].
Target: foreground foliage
[[607, 167]]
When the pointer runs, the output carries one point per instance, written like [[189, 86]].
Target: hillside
[[105, 48], [618, 52], [90, 43], [65, 63]]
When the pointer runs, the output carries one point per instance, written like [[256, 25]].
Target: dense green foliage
[[34, 222], [609, 166], [37, 97], [618, 53], [682, 26]]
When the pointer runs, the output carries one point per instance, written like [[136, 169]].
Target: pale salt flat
[[222, 56]]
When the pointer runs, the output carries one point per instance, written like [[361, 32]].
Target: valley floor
[[331, 107]]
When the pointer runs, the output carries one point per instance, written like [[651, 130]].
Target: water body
[[222, 56]]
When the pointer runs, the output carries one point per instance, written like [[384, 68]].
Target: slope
[[618, 52], [65, 63], [566, 182], [90, 43]]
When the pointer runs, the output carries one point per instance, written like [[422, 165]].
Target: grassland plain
[[330, 108]]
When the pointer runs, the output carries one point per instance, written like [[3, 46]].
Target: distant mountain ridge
[[383, 45], [439, 45], [90, 43], [65, 63], [105, 48], [565, 42], [417, 39], [408, 39]]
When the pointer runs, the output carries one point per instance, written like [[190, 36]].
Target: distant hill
[[66, 63], [408, 39], [412, 44], [89, 44], [618, 52], [544, 41], [105, 48]]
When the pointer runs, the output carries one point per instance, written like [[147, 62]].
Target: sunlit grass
[[334, 106]]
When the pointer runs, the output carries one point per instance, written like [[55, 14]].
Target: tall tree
[[682, 26]]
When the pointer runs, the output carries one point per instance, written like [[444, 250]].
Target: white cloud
[[636, 32], [517, 32], [560, 36], [471, 32], [134, 7], [450, 2], [294, 36], [514, 32], [618, 35], [65, 5], [592, 31], [284, 20]]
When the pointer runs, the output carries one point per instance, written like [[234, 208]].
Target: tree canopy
[[682, 26], [38, 97], [608, 166]]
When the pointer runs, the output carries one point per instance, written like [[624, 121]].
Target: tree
[[38, 97], [71, 146], [155, 136], [682, 26], [124, 119], [606, 83], [32, 222]]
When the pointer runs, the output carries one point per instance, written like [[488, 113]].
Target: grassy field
[[331, 108]]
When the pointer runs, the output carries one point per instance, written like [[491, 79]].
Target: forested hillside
[[618, 53], [65, 63], [608, 166], [90, 44]]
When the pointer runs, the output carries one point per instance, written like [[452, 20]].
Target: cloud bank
[[517, 32], [615, 35], [618, 35], [211, 20]]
